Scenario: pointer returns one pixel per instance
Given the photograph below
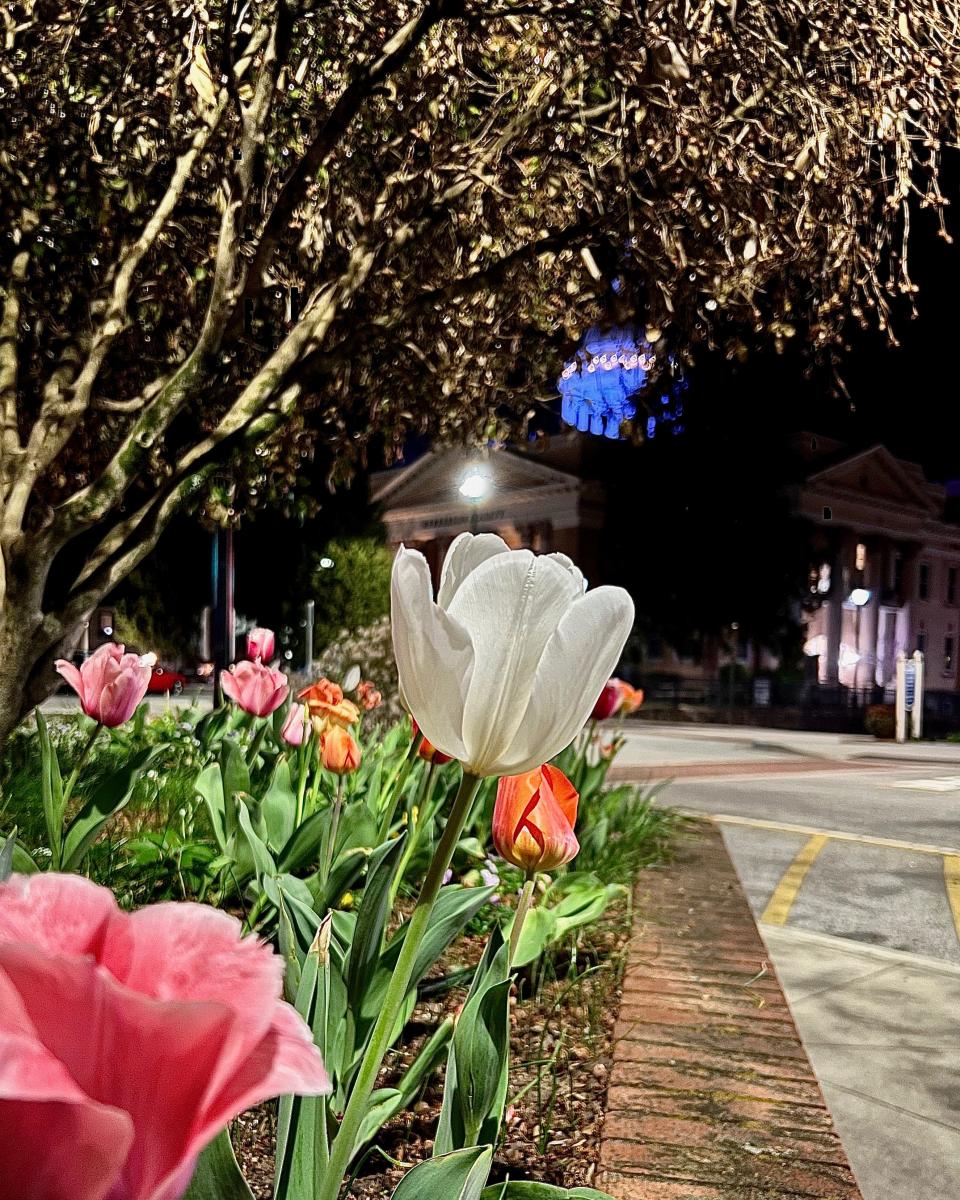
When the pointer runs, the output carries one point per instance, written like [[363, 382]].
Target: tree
[[228, 222]]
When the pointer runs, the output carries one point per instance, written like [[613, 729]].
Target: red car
[[162, 679]]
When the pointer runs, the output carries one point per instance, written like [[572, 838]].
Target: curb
[[712, 1096]]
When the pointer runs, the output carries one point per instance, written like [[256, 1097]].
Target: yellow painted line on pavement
[[832, 834], [784, 894], [951, 877]]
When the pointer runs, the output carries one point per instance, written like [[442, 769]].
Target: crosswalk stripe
[[832, 834], [784, 894], [951, 878]]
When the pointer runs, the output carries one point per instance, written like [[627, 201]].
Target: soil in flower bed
[[561, 1046]]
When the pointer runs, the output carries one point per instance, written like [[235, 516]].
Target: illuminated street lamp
[[475, 486]]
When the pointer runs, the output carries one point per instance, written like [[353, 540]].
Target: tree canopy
[[233, 227]]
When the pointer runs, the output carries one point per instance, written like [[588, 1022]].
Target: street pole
[[222, 615], [308, 636], [734, 628]]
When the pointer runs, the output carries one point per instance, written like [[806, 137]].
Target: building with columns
[[533, 498], [884, 557], [885, 568]]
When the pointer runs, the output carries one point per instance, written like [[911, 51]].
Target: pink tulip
[[261, 644], [256, 688], [128, 1041], [295, 730], [110, 684]]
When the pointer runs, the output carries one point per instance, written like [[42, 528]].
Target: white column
[[829, 669], [867, 643]]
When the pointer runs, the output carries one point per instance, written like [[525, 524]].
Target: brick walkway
[[711, 1094]]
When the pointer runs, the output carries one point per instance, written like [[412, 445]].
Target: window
[[951, 585], [948, 655], [922, 642], [923, 581], [827, 513], [861, 560], [898, 573]]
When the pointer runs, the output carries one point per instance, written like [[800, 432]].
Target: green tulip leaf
[[209, 786], [51, 788], [457, 1176], [218, 1177], [372, 917], [279, 807], [108, 799], [539, 930]]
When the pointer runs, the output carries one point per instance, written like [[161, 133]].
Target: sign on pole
[[909, 695]]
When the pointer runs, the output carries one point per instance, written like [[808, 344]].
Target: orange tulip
[[630, 697], [339, 751], [325, 701], [368, 696], [533, 819]]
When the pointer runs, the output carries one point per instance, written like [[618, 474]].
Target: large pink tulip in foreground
[[110, 684], [128, 1041]]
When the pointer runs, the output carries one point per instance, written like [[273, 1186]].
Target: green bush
[[881, 720]]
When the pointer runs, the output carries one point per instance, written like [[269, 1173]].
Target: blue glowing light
[[598, 383]]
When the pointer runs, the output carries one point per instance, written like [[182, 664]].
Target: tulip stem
[[524, 905], [332, 835], [344, 1144], [395, 786], [415, 821], [302, 777], [75, 773]]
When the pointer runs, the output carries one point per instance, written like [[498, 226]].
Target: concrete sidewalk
[[882, 1030], [666, 743]]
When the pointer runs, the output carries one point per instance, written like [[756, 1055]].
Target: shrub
[[881, 720]]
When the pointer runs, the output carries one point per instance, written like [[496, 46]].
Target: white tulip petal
[[434, 654], [511, 606], [467, 551], [571, 566], [577, 661]]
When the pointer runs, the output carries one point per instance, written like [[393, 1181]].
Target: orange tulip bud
[[339, 751], [428, 751], [533, 819], [325, 701]]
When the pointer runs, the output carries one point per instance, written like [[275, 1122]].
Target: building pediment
[[434, 479], [877, 477]]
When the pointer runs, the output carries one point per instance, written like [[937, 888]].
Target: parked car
[[163, 679]]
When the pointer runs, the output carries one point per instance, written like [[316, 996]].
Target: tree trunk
[[30, 641]]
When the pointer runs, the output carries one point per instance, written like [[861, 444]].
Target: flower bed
[[406, 880]]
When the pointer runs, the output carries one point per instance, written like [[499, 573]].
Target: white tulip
[[502, 670]]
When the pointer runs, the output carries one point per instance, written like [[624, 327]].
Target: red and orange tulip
[[428, 751], [533, 819]]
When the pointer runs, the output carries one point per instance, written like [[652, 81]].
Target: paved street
[[849, 851]]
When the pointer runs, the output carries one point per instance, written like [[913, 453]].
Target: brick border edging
[[712, 1096]]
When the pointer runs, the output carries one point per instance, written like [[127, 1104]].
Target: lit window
[[948, 655], [923, 581], [861, 559], [951, 585]]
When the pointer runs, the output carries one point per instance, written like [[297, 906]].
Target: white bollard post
[[916, 715], [901, 696]]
